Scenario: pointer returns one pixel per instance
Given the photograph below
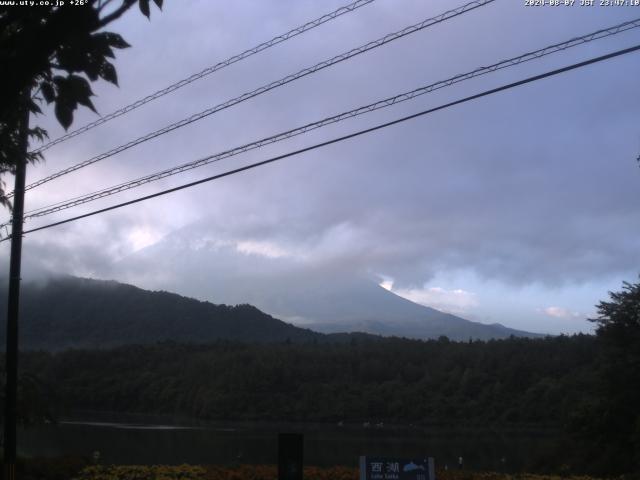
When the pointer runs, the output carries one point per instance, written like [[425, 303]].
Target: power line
[[265, 88], [345, 137], [387, 102], [209, 70]]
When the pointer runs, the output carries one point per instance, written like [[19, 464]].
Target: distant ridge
[[71, 312], [392, 315], [329, 298]]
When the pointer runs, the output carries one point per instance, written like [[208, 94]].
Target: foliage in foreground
[[270, 472], [52, 53]]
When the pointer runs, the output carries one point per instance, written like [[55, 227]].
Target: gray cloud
[[535, 185]]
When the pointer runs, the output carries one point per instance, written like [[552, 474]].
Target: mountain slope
[[72, 312], [400, 317], [328, 304], [328, 298]]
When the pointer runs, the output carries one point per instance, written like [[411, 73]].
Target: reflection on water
[[129, 426], [149, 440]]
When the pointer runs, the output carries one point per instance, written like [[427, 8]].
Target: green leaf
[[48, 92], [33, 157], [87, 103], [144, 8], [34, 108], [81, 91], [59, 81], [39, 133], [64, 114], [92, 68], [115, 40], [100, 45], [72, 90], [79, 86], [72, 59], [108, 73]]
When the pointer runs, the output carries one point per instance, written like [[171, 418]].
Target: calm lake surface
[[141, 439]]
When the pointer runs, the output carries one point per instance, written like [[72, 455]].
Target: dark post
[[13, 302], [290, 452]]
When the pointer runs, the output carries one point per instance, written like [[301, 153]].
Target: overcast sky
[[521, 208]]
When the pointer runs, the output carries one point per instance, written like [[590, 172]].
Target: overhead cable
[[387, 102], [209, 70], [270, 86], [343, 138]]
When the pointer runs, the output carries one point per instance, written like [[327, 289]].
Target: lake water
[[134, 439]]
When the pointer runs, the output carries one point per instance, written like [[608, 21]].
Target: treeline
[[514, 381], [70, 312]]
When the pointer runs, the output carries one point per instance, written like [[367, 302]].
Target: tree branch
[[117, 13], [103, 4]]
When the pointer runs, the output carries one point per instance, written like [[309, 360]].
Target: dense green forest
[[394, 380], [558, 382], [555, 382]]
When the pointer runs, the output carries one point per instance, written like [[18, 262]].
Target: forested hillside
[[507, 381], [72, 312]]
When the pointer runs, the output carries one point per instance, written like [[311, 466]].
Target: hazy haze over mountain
[[327, 297]]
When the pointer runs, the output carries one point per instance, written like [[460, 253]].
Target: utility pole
[[13, 302]]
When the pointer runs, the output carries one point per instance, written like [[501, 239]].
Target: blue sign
[[383, 468]]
